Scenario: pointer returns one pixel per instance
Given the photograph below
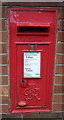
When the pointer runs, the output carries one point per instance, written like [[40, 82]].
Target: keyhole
[[22, 81]]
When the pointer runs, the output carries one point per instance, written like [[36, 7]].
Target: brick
[[3, 36], [0, 59], [0, 80], [4, 90], [59, 80], [0, 12], [0, 36], [58, 89], [0, 90], [61, 36], [0, 108], [61, 13], [58, 107], [3, 108], [60, 59], [3, 59], [60, 47], [48, 4], [3, 99], [59, 69], [0, 48], [3, 70], [2, 25], [4, 80], [0, 99], [58, 98], [3, 11], [61, 25], [34, 3], [3, 48]]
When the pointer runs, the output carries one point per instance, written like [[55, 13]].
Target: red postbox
[[32, 36]]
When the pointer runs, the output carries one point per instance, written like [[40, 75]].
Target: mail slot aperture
[[32, 30]]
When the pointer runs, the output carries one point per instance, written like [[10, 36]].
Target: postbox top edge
[[35, 9], [33, 24]]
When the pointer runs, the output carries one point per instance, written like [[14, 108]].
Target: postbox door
[[32, 68]]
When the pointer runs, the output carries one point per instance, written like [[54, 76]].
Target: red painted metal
[[31, 94], [22, 103]]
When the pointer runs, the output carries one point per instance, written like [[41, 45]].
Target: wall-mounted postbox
[[32, 35]]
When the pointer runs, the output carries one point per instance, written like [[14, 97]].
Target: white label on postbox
[[31, 64]]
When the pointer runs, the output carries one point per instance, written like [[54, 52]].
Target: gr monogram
[[31, 93]]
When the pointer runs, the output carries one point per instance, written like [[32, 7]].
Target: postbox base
[[30, 110]]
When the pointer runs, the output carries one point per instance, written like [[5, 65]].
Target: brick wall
[[58, 90], [58, 93], [3, 61]]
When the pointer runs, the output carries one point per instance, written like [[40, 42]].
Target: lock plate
[[23, 83]]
